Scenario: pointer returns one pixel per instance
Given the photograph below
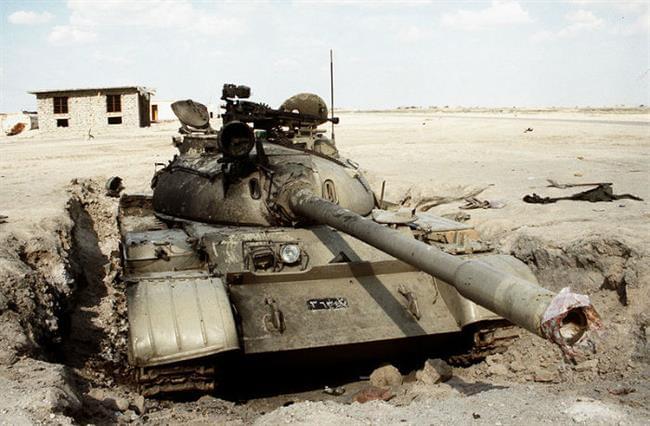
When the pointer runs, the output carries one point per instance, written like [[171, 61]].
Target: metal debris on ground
[[422, 202], [337, 391], [114, 186], [554, 184], [457, 217], [401, 216], [475, 203], [530, 129], [602, 192]]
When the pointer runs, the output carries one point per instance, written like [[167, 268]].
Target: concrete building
[[161, 110], [93, 109]]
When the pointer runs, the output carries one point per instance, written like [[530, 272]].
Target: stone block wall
[[87, 111]]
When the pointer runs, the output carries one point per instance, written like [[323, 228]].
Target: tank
[[260, 238]]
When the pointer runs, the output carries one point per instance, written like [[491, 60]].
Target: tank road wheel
[[486, 339], [179, 377]]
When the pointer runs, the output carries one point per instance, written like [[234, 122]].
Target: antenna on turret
[[332, 92]]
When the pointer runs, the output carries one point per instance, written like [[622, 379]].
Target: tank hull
[[343, 293]]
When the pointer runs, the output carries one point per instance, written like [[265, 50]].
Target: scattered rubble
[[498, 370], [139, 404], [589, 365], [109, 399], [622, 390], [386, 376], [372, 393], [544, 376], [434, 371]]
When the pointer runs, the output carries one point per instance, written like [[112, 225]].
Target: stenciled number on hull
[[327, 303]]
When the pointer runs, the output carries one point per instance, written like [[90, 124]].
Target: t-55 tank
[[260, 238]]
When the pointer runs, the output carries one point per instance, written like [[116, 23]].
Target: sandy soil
[[61, 352]]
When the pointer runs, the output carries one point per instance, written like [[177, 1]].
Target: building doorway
[[154, 112]]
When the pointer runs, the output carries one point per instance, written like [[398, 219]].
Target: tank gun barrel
[[522, 302]]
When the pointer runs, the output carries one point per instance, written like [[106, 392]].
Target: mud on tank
[[260, 238]]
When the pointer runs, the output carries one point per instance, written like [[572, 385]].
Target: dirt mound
[[35, 291], [614, 273], [587, 264], [34, 288], [38, 392]]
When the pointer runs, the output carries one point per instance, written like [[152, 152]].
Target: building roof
[[140, 89]]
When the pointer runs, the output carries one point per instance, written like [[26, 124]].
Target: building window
[[114, 120], [61, 105], [62, 122], [113, 103]]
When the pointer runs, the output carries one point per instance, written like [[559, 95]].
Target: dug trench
[[63, 355]]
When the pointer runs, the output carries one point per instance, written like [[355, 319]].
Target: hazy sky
[[387, 54]]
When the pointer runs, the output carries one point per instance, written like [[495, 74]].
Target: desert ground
[[62, 321]]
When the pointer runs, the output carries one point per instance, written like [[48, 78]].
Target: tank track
[[183, 377], [486, 341]]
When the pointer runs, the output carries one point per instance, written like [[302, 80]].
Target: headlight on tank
[[290, 253]]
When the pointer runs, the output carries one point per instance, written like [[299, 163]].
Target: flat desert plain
[[62, 328]]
